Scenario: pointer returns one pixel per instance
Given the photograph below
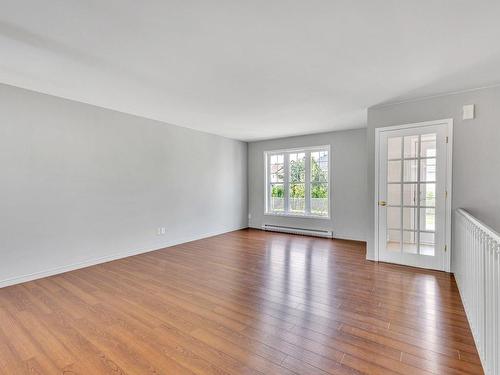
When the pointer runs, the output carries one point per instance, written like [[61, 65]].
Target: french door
[[413, 173]]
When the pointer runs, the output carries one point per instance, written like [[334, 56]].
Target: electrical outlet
[[163, 230]]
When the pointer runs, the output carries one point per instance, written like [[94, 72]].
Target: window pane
[[394, 171], [319, 199], [394, 148], [277, 202], [319, 166], [277, 159], [428, 170], [298, 167], [277, 177], [277, 168], [297, 197], [411, 146], [428, 145]]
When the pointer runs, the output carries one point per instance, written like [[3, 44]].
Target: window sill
[[297, 216]]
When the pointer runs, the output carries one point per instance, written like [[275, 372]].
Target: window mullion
[[286, 185], [307, 182]]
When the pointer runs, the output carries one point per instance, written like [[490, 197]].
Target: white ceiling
[[250, 69]]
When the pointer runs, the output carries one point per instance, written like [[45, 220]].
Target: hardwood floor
[[246, 302]]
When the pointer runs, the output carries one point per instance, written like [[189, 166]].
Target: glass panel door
[[412, 180]]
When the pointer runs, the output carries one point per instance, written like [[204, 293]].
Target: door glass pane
[[393, 217], [394, 171], [410, 218], [297, 198], [427, 219], [277, 197], [410, 194], [428, 195], [410, 242], [427, 243], [319, 199], [394, 194], [393, 240], [428, 170], [394, 148], [410, 172], [428, 145], [411, 146]]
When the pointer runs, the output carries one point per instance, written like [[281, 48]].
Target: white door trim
[[449, 160]]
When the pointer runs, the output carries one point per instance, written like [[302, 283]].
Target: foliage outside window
[[298, 182]]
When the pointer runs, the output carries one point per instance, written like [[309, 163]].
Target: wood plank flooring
[[246, 302]]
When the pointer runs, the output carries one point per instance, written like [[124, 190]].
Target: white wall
[[80, 184], [476, 144], [348, 179]]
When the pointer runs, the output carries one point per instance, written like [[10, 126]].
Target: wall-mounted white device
[[468, 112]]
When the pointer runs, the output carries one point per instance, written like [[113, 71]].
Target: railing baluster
[[476, 266]]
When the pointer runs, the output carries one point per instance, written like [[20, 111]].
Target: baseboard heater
[[305, 232]]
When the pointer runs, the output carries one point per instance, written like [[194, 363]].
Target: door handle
[[382, 203]]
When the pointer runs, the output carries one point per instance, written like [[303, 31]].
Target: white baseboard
[[92, 262], [339, 236], [336, 236]]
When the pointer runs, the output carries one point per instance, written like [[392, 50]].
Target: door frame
[[449, 162]]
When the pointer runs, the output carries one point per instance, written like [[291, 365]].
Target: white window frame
[[286, 182]]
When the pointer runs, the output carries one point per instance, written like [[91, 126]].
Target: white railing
[[476, 267]]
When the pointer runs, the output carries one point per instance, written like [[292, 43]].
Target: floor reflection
[[310, 295]]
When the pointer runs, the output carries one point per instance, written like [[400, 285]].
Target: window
[[297, 182]]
